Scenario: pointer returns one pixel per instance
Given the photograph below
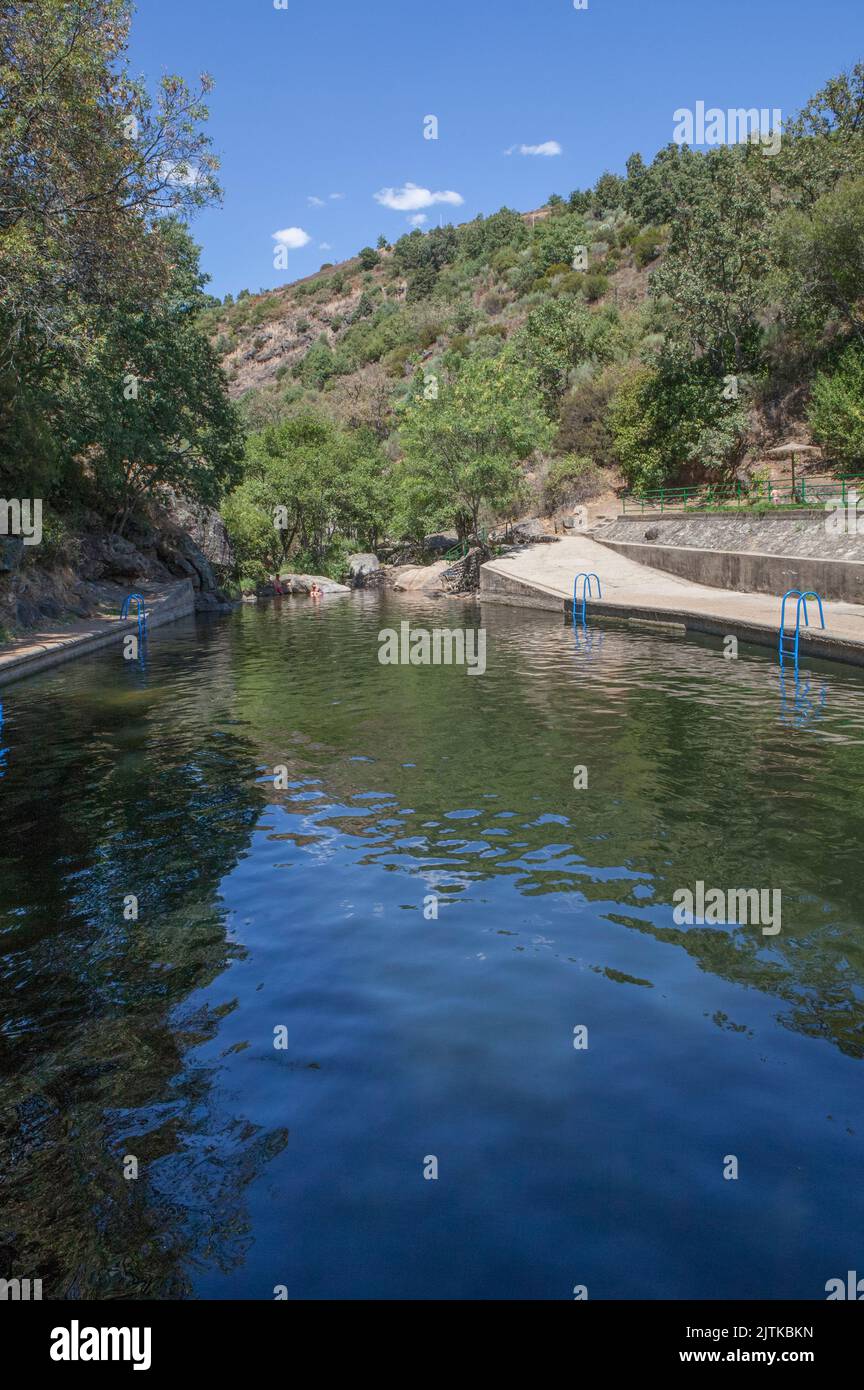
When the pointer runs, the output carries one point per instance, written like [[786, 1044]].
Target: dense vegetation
[[109, 388], [656, 328], [494, 366]]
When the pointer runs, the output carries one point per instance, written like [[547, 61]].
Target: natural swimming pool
[[410, 1037]]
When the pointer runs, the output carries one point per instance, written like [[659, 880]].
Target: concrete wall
[[750, 572], [771, 533], [173, 602], [504, 588]]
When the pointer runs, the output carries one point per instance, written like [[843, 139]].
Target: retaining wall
[[164, 606], [749, 571]]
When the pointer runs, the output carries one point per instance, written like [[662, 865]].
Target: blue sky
[[328, 97]]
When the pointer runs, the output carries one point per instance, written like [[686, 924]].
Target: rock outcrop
[[364, 571]]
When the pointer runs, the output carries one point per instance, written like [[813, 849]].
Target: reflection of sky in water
[[417, 1029]]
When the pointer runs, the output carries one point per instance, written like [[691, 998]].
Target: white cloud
[[548, 149], [292, 237], [325, 246], [337, 195], [179, 172], [411, 197], [315, 202], [417, 219]]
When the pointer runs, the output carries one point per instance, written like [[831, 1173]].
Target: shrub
[[503, 260], [364, 307], [394, 362], [557, 268], [646, 246], [594, 285], [571, 480], [422, 284], [492, 303], [369, 258], [583, 426]]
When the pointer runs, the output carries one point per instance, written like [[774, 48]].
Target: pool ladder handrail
[[141, 610], [586, 592], [795, 638]]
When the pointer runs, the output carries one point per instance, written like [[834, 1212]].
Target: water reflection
[[310, 908]]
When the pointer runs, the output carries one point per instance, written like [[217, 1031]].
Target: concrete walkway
[[542, 576], [164, 604]]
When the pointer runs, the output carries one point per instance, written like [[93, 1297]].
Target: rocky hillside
[[92, 569], [263, 339]]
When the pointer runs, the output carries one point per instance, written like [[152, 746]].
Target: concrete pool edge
[[165, 604], [496, 587]]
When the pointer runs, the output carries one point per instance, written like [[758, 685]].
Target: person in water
[[315, 592]]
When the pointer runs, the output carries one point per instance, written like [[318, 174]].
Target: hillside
[[667, 326], [673, 326]]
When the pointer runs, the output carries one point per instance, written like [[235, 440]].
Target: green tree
[[87, 165], [836, 413], [149, 408], [556, 337], [715, 272], [820, 252], [307, 486], [461, 449], [668, 419]]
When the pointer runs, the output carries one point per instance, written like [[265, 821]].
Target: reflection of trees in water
[[692, 775], [151, 791], [94, 1037]]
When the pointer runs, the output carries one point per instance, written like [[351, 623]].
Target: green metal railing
[[738, 495]]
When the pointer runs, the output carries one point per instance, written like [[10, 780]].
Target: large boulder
[[361, 566], [440, 542], [122, 560], [181, 555], [302, 583], [205, 528], [419, 578], [212, 601]]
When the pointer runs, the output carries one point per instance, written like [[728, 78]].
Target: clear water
[[410, 1037]]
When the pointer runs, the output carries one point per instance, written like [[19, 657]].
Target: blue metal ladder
[[803, 707], [138, 600], [586, 593], [789, 642]]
